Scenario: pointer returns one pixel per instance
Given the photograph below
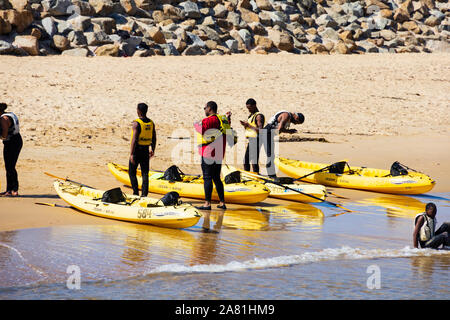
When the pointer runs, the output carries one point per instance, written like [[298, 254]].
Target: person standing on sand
[[211, 141], [279, 123], [12, 144], [143, 144], [252, 126], [424, 230]]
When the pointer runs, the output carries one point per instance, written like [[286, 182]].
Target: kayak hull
[[192, 187], [309, 190], [368, 179], [85, 200]]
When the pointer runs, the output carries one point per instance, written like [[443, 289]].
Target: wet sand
[[75, 115]]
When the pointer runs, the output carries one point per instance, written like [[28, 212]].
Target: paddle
[[292, 189], [52, 205], [320, 170], [66, 179]]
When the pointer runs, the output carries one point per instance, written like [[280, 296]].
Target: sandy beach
[[75, 114]]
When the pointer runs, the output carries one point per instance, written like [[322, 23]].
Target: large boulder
[[49, 26], [111, 50], [129, 6], [156, 35], [6, 47], [20, 4], [97, 38], [77, 52], [281, 39], [264, 5], [106, 24], [191, 9], [19, 19], [57, 7], [5, 26], [28, 43], [102, 7], [60, 42], [194, 50]]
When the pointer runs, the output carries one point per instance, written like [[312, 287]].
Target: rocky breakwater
[[215, 27]]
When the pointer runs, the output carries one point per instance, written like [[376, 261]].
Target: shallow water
[[296, 251]]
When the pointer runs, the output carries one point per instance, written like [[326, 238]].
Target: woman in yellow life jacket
[[143, 144], [255, 122]]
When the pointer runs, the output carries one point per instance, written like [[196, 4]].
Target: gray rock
[[49, 26], [115, 37], [80, 23], [279, 18], [330, 34], [232, 44], [234, 18], [246, 36], [97, 38], [367, 46], [387, 34], [64, 27], [6, 47], [169, 49], [379, 22], [58, 7], [196, 41], [77, 52], [191, 9], [353, 8], [438, 45], [119, 18], [193, 50], [211, 33], [326, 21], [220, 11], [438, 14], [307, 4], [107, 25], [77, 38]]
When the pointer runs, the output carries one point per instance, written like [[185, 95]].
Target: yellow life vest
[[212, 134], [249, 132], [146, 135]]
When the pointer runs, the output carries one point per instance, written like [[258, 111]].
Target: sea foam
[[343, 253]]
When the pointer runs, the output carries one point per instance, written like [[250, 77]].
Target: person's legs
[[207, 181], [253, 150], [268, 140], [217, 167], [438, 240], [445, 227], [132, 174], [144, 161], [11, 153], [247, 157]]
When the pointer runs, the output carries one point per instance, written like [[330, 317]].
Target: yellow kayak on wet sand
[[369, 179], [276, 191], [192, 186], [135, 209]]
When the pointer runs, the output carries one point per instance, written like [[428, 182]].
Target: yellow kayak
[[136, 209], [279, 192], [377, 180], [192, 186]]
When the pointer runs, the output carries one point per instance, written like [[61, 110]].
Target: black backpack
[[113, 196], [173, 174], [171, 199], [234, 177], [284, 180], [397, 169], [337, 167]]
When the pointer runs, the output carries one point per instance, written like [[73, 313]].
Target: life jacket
[[14, 129], [427, 230], [211, 135], [146, 135], [273, 122], [249, 132]]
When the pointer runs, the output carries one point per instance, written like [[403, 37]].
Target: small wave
[[35, 269], [344, 253]]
